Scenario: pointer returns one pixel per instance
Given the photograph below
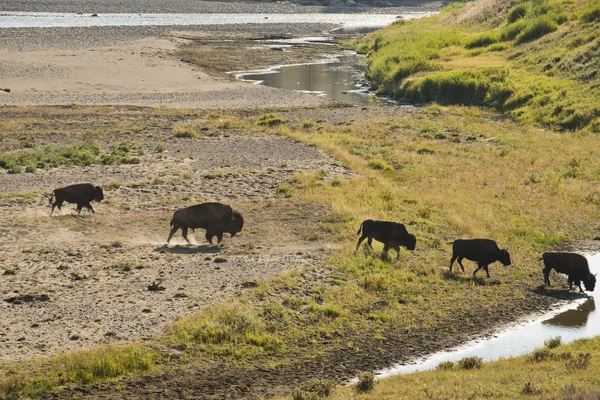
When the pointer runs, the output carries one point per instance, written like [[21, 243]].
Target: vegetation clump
[[366, 382]]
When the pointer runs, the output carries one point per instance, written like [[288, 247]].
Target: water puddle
[[341, 79], [575, 320], [9, 19]]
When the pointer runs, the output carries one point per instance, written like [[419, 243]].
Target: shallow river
[[575, 320], [10, 19]]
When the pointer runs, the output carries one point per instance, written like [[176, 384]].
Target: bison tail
[[360, 229]]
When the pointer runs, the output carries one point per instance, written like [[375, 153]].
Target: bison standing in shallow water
[[391, 234], [82, 194], [482, 251], [574, 265], [216, 218]]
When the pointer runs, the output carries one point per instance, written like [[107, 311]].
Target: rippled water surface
[[50, 20], [580, 319]]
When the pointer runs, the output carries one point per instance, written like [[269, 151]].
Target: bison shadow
[[183, 249], [453, 276], [559, 293]]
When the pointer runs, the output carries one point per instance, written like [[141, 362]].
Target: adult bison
[[391, 234], [573, 264], [216, 218], [81, 193], [482, 251]]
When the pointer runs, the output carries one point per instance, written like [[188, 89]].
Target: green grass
[[54, 156], [535, 62]]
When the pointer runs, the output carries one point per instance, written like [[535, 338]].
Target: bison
[[216, 218], [482, 251], [82, 194], [391, 234], [573, 264]]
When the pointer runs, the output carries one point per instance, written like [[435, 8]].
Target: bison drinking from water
[[82, 194], [391, 234], [482, 251], [216, 218], [574, 265]]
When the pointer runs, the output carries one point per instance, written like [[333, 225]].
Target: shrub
[[580, 361], [516, 13], [380, 165], [530, 388], [536, 29], [511, 31], [271, 120], [482, 41], [540, 355], [445, 366], [470, 362], [313, 389], [592, 14], [553, 343], [366, 382]]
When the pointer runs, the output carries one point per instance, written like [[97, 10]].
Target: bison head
[[590, 283], [504, 257], [98, 196], [236, 224], [411, 242]]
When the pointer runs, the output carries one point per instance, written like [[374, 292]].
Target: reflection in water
[[580, 321], [342, 80], [573, 318]]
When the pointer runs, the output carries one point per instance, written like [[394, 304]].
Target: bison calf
[[482, 251], [216, 218], [82, 194], [574, 265], [391, 234]]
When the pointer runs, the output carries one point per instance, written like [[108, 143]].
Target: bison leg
[[452, 261], [479, 266], [547, 277], [79, 207], [370, 242], [219, 237], [55, 204], [486, 270], [363, 237], [209, 237], [173, 230], [460, 263], [398, 250], [184, 232], [89, 207]]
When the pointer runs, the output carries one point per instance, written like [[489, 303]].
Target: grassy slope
[[535, 60], [447, 173]]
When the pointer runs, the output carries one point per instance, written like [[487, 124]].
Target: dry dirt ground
[[72, 281]]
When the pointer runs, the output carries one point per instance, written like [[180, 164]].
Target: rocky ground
[[72, 281]]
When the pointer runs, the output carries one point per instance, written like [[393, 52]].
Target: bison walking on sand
[[482, 251], [391, 234], [216, 218], [574, 265], [82, 194]]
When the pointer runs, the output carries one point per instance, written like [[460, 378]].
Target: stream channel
[[570, 320]]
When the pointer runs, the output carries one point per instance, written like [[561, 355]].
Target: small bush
[[380, 165], [293, 302], [313, 389], [271, 120], [530, 388], [592, 14], [445, 366], [580, 361], [7, 90], [366, 382], [284, 190], [425, 150], [536, 29], [308, 124], [553, 342], [510, 32], [516, 13], [470, 363], [482, 41], [540, 355]]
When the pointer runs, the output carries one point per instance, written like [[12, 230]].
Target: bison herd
[[217, 218]]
